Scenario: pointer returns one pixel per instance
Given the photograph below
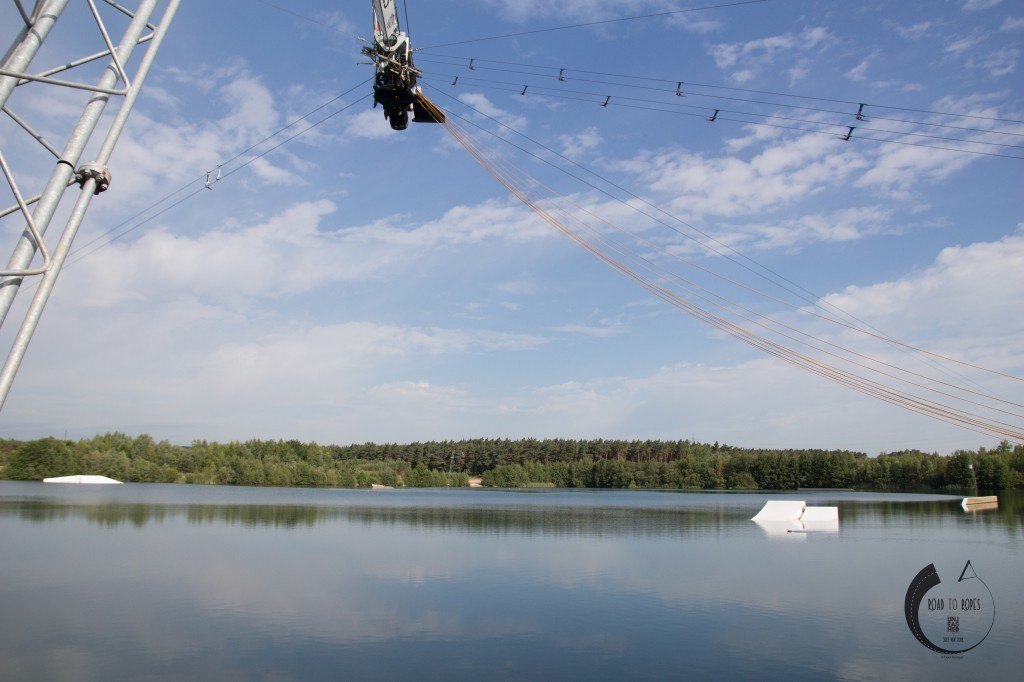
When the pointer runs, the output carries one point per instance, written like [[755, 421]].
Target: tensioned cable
[[691, 84], [564, 70], [596, 23], [690, 93], [814, 299], [843, 130], [748, 314], [931, 408], [544, 202], [294, 13], [873, 335], [705, 111], [81, 252]]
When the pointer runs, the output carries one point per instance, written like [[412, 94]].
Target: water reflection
[[172, 582], [560, 513]]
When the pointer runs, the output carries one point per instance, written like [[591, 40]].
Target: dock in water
[[979, 503]]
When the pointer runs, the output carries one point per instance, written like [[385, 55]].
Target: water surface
[[168, 582]]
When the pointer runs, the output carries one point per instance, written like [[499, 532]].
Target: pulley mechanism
[[394, 84]]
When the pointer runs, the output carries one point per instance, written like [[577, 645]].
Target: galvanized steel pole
[[92, 176]]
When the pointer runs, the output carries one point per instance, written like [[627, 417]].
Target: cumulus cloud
[[914, 31], [604, 328], [998, 63], [952, 300], [578, 145], [584, 10], [289, 253], [164, 147], [484, 106], [961, 45], [837, 226], [978, 5], [859, 72], [370, 124], [730, 186], [745, 60]]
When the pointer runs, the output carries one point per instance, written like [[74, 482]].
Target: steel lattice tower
[[106, 72]]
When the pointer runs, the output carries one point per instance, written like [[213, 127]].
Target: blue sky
[[360, 284]]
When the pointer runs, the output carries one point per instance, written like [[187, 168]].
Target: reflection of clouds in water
[[208, 583]]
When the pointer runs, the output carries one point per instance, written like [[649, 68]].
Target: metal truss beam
[[115, 83]]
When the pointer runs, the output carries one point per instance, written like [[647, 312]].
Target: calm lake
[[146, 582]]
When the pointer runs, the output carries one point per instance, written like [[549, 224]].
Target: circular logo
[[950, 617]]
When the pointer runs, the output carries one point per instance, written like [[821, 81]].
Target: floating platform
[[979, 503], [794, 516], [90, 480], [786, 510]]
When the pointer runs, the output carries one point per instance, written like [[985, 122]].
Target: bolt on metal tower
[[98, 75]]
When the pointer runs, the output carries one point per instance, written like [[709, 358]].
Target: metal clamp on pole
[[94, 171]]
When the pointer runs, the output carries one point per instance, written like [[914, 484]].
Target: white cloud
[[897, 169], [744, 60], [370, 124], [964, 44], [859, 72], [578, 145], [604, 328], [483, 105], [493, 219], [696, 22], [169, 142], [730, 186], [583, 10], [977, 5], [287, 254], [954, 304], [969, 293], [915, 31], [999, 63], [1012, 24], [838, 226]]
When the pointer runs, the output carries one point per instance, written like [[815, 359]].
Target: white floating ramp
[[791, 516], [786, 510], [820, 514], [92, 480]]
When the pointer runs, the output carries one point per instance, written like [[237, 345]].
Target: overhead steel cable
[[605, 100], [699, 292], [843, 131], [750, 315], [83, 252], [727, 252], [555, 71], [602, 22], [689, 93], [916, 403], [570, 219]]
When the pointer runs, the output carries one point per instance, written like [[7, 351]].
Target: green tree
[[419, 477], [958, 471], [41, 459], [992, 471]]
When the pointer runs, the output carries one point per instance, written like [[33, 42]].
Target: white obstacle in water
[[820, 514], [792, 516], [785, 510], [94, 480]]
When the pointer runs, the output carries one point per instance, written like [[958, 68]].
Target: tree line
[[563, 463]]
